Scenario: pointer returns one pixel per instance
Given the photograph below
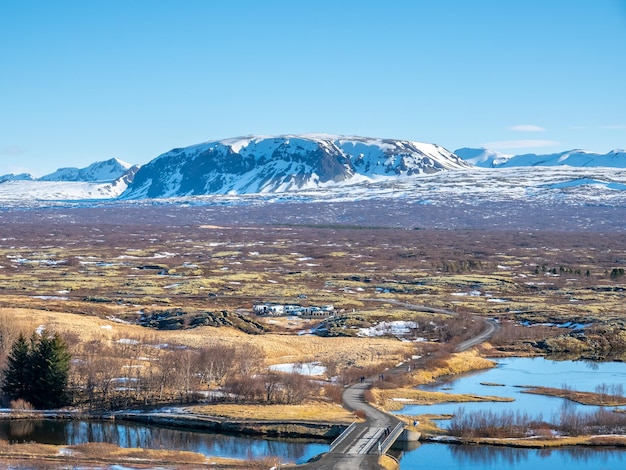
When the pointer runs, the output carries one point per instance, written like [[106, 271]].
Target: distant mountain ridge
[[14, 177], [274, 164], [320, 165], [108, 170], [486, 158]]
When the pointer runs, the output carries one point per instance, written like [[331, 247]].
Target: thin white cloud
[[521, 144], [526, 128], [615, 127]]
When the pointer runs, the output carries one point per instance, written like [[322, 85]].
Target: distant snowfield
[[543, 185], [29, 191]]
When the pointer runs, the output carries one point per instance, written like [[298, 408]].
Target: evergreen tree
[[16, 377], [50, 364], [38, 372]]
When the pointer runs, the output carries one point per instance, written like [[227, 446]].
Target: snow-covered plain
[[538, 185], [29, 192]]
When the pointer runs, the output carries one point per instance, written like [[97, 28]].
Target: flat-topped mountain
[[260, 164]]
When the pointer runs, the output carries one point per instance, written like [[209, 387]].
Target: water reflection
[[514, 373], [125, 434], [488, 455], [457, 457], [506, 457]]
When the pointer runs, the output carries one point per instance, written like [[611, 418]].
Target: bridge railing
[[339, 439], [386, 443]]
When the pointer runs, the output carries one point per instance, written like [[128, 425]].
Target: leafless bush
[[20, 405], [610, 392], [488, 423], [333, 392], [601, 421], [512, 332], [368, 396]]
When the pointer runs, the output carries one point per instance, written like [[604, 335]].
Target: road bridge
[[361, 444]]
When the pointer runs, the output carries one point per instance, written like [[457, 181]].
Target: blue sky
[[83, 81]]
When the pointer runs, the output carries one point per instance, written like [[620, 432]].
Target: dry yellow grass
[[617, 441], [388, 463], [427, 424], [277, 348], [313, 411], [397, 398], [99, 453], [466, 361]]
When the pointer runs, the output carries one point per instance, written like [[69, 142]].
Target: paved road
[[491, 326], [358, 451]]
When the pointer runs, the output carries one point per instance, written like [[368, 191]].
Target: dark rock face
[[279, 164]]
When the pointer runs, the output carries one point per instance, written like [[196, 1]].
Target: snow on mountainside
[[262, 164], [17, 192], [28, 191], [109, 170], [576, 158], [482, 157], [14, 177]]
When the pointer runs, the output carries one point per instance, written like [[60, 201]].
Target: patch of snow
[[394, 328], [308, 368], [127, 341]]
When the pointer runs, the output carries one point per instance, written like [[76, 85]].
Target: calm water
[[516, 372], [126, 434], [430, 456], [512, 372]]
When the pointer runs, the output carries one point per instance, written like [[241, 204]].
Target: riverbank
[[106, 456], [278, 428], [609, 440]]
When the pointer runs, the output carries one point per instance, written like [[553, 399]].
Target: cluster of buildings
[[277, 310]]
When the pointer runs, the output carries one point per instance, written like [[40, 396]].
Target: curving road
[[358, 449]]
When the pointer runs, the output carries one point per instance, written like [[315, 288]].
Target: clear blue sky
[[83, 81]]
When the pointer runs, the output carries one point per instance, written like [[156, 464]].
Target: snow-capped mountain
[[108, 170], [14, 177], [261, 164], [31, 191], [577, 158], [482, 157]]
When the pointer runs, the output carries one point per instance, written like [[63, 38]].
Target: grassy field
[[92, 275]]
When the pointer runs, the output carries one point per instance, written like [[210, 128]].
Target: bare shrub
[[369, 397], [245, 388], [20, 405], [333, 392], [512, 332], [488, 423], [507, 424]]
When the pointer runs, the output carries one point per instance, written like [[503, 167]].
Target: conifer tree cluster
[[37, 371]]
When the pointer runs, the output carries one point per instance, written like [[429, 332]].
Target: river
[[128, 434], [511, 375]]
